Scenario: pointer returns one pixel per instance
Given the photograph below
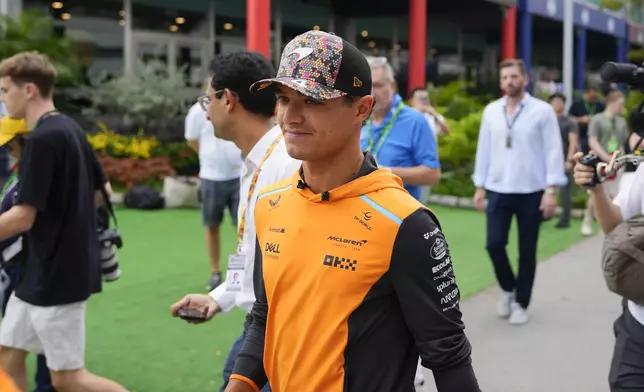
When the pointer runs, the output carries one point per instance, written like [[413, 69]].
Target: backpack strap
[[631, 250]]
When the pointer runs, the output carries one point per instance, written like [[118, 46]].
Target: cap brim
[[4, 139], [309, 88]]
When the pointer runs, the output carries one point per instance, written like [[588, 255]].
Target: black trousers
[[500, 210], [627, 366]]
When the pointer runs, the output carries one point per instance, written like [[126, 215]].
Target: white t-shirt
[[431, 120], [278, 166], [630, 201], [219, 160]]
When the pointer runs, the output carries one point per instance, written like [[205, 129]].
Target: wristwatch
[[551, 191]]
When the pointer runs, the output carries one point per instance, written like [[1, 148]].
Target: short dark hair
[[237, 72], [514, 63], [557, 95]]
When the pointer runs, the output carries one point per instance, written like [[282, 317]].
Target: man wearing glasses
[[220, 163], [246, 120], [398, 136]]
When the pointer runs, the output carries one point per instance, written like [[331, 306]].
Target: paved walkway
[[567, 346]]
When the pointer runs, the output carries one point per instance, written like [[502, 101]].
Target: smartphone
[[191, 315]]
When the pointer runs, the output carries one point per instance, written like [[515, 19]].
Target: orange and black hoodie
[[352, 285]]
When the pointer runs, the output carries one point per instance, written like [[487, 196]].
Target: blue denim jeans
[[43, 377], [232, 356]]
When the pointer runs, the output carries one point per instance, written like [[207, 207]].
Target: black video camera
[[633, 76], [625, 73]]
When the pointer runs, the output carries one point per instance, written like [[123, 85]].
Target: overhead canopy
[[367, 8]]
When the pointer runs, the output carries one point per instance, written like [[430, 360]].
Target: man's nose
[[292, 114]]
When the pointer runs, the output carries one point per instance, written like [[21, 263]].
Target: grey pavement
[[566, 346]]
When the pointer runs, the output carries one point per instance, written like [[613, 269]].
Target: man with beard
[[520, 163]]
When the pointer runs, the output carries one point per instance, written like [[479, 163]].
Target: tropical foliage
[[33, 30]]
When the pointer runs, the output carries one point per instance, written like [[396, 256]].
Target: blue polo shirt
[[410, 142]]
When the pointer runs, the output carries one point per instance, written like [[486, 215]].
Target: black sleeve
[[423, 277], [577, 109], [99, 174], [36, 173], [250, 361]]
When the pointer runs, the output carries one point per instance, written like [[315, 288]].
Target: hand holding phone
[[191, 315], [195, 308]]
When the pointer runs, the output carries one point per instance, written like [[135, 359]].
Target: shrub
[[453, 101], [457, 152], [114, 145], [34, 30], [184, 160], [152, 98], [140, 159]]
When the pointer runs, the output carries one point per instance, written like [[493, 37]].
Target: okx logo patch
[[340, 262]]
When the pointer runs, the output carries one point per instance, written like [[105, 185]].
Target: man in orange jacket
[[353, 277]]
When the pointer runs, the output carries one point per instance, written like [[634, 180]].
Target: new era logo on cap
[[322, 66]]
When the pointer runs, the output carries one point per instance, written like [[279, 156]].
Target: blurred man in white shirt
[[220, 162], [246, 120]]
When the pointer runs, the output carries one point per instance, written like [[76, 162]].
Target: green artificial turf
[[131, 337]]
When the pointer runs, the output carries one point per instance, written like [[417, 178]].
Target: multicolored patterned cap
[[322, 66]]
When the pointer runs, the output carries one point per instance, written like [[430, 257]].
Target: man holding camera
[[627, 367]]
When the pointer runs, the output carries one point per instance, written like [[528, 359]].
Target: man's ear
[[365, 106], [32, 90], [230, 99]]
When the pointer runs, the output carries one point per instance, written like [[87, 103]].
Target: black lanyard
[[45, 116], [510, 124]]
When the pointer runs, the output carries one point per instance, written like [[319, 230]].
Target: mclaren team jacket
[[352, 285]]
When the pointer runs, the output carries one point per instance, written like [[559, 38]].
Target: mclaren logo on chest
[[346, 241]]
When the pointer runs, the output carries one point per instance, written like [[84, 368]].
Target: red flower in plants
[[186, 153]]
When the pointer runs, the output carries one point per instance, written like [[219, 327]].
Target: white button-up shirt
[[535, 158], [219, 160], [278, 166]]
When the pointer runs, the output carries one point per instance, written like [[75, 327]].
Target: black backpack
[[143, 197]]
